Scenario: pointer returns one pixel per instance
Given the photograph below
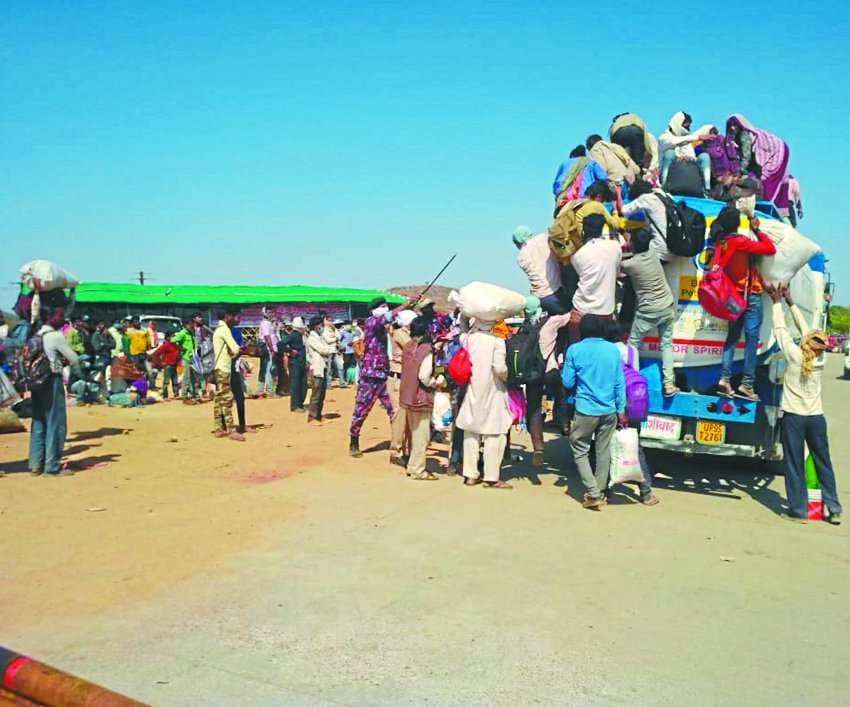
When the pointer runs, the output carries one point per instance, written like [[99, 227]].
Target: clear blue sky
[[363, 143]]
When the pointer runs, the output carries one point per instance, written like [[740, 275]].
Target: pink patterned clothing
[[772, 156], [376, 361]]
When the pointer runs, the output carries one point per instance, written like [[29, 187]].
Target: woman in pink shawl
[[764, 154]]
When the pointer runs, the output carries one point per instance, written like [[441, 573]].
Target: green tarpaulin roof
[[130, 293]]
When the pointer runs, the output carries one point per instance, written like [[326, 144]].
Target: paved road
[[387, 591]]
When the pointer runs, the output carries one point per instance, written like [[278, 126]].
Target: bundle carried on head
[[487, 302]]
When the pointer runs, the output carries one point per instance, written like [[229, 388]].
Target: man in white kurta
[[484, 416]]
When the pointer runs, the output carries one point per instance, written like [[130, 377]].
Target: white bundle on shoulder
[[44, 275], [485, 301], [793, 251]]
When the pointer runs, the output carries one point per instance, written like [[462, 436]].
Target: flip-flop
[[471, 482], [497, 485]]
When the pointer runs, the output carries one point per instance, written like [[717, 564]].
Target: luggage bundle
[[48, 282], [487, 302], [793, 251]]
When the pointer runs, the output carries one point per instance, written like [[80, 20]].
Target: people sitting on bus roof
[[575, 175], [620, 169], [763, 155], [629, 132], [676, 145], [723, 153], [737, 252]]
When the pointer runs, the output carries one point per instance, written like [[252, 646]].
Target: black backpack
[[525, 362], [685, 227], [684, 178]]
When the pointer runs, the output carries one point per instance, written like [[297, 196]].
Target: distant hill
[[438, 293]]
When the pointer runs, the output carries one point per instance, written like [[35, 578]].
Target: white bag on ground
[[625, 457], [488, 302], [43, 276], [8, 395], [441, 417], [793, 251]]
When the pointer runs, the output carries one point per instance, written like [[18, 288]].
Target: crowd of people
[[596, 290]]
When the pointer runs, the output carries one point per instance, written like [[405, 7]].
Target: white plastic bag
[[793, 251], [441, 417], [625, 457], [8, 395], [44, 275], [488, 302]]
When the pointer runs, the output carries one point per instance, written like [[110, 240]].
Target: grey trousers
[[581, 436]]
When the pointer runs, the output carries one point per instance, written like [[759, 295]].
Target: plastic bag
[[8, 395], [44, 275], [441, 417], [625, 457], [487, 302], [793, 251]]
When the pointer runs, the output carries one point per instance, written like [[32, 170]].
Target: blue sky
[[363, 143]]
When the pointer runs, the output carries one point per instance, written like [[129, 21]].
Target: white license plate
[[661, 427]]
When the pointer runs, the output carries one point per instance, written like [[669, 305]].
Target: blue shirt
[[591, 173], [345, 340], [593, 367]]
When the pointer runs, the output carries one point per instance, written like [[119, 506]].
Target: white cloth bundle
[[485, 301], [44, 275], [793, 251]]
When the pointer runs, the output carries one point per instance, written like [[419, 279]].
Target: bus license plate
[[710, 432], [662, 427]]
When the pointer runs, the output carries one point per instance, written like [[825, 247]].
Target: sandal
[[497, 485], [471, 482], [425, 476], [236, 437], [650, 501], [670, 391]]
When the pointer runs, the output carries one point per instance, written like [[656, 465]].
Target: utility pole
[[141, 277]]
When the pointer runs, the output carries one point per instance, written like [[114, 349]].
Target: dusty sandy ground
[[186, 570]]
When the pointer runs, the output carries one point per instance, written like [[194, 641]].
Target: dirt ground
[[187, 570]]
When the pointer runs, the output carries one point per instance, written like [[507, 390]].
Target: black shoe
[[834, 518], [398, 460], [354, 448]]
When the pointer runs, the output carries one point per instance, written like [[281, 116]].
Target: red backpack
[[717, 294], [460, 367]]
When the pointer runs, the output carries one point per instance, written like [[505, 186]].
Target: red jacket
[[741, 267], [167, 354]]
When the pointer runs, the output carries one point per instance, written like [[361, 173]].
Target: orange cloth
[[501, 329]]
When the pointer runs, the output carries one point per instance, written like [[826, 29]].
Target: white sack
[[441, 417], [793, 251], [43, 276], [625, 458], [488, 302]]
